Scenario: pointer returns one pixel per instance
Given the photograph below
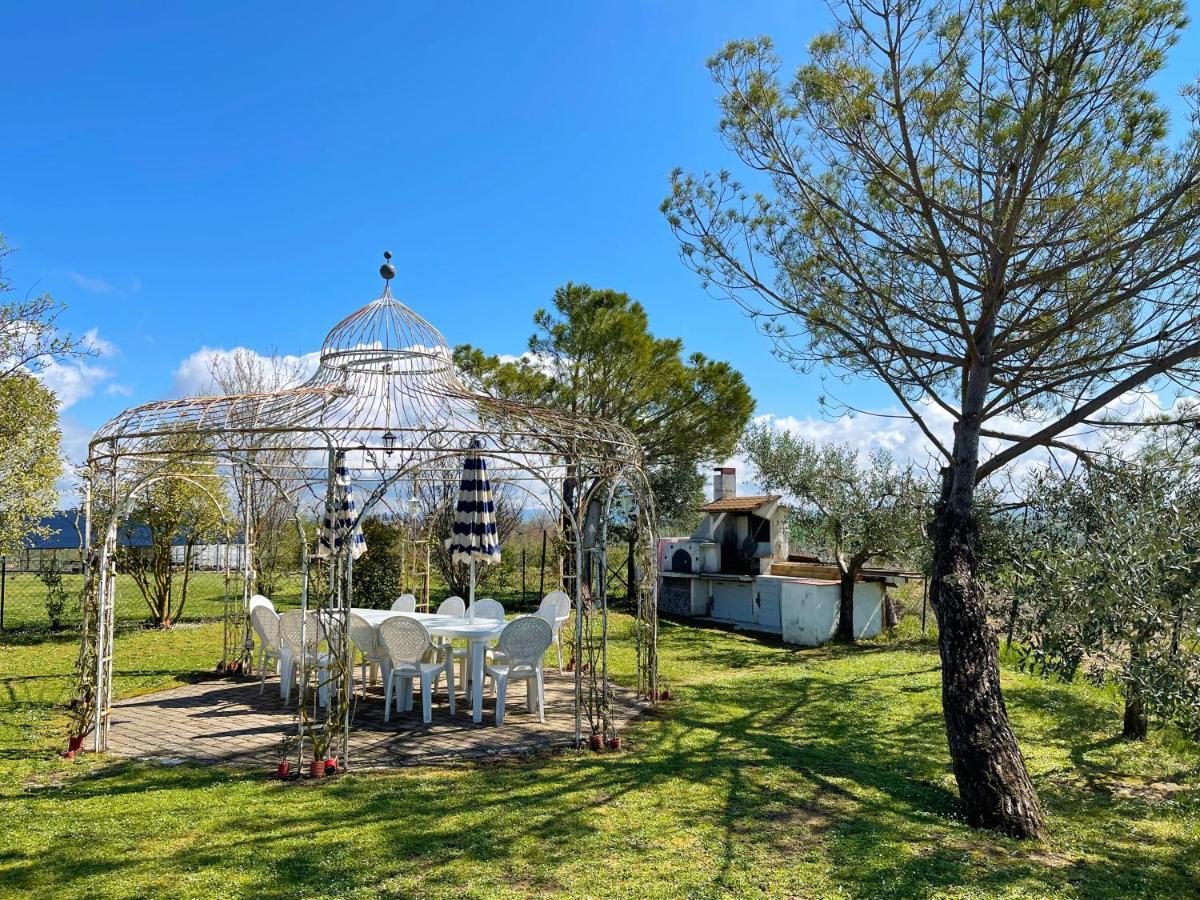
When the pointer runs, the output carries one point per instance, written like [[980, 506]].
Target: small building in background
[[61, 544], [736, 568]]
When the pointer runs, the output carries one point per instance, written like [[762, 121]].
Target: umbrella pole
[[471, 591]]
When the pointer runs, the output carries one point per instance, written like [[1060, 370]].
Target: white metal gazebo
[[388, 401]]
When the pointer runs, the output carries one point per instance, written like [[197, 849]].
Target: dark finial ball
[[387, 270]]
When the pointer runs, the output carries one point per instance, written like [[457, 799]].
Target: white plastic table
[[476, 633]]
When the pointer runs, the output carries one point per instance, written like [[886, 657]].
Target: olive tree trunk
[[845, 626], [1135, 725]]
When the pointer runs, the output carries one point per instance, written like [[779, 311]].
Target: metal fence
[[34, 598]]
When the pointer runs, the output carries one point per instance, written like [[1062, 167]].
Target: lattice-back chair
[[406, 642], [454, 606], [488, 608], [260, 600], [296, 660], [364, 637], [556, 609], [520, 649], [265, 622], [405, 603]]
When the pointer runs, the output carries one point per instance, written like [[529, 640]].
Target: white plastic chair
[[260, 600], [488, 609], [454, 606], [405, 603], [556, 609], [265, 622], [406, 641], [523, 644], [363, 636], [297, 660]]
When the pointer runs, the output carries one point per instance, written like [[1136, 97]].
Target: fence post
[[3, 581], [523, 594]]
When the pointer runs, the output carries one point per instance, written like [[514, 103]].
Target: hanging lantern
[[389, 442]]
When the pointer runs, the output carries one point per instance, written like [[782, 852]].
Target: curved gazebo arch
[[388, 403]]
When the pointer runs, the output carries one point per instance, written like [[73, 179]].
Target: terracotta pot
[[75, 742], [614, 742], [284, 769], [316, 768], [597, 742], [664, 695], [68, 754], [331, 766]]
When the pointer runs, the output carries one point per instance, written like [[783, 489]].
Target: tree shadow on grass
[[781, 763]]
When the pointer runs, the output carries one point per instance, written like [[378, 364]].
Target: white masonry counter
[[803, 611]]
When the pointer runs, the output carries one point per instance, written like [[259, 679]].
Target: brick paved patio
[[226, 721]]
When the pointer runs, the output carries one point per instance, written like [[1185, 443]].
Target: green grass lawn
[[777, 772]]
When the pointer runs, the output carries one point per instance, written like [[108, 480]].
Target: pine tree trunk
[[845, 626], [994, 787]]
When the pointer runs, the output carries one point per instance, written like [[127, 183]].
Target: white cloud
[[193, 376], [93, 284], [74, 445], [115, 389], [92, 341], [892, 430], [98, 284], [73, 380]]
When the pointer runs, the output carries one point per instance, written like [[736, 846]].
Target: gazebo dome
[[385, 337]]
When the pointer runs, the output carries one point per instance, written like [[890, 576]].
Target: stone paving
[[227, 721]]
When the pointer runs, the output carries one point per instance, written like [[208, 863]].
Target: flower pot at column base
[[596, 742], [331, 766], [68, 754], [664, 695], [614, 742], [316, 768], [74, 743], [283, 770]]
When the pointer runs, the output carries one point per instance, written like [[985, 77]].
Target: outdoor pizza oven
[[735, 569]]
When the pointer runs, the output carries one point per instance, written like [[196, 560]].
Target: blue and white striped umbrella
[[474, 538], [340, 525]]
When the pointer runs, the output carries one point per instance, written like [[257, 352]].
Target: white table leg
[[477, 651]]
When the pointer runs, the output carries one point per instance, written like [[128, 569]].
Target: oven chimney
[[724, 482]]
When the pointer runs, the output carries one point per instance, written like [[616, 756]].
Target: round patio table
[[476, 632]]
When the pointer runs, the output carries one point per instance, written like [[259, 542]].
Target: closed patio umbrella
[[340, 525], [474, 535]]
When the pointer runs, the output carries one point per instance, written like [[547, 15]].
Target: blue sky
[[216, 175]]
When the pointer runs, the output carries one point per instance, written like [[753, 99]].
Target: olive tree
[[30, 339], [859, 511], [979, 206], [1112, 591]]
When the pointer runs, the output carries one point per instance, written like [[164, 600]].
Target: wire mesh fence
[[41, 592]]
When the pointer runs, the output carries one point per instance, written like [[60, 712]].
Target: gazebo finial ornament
[[387, 270]]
